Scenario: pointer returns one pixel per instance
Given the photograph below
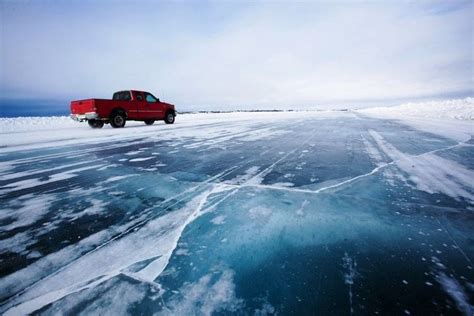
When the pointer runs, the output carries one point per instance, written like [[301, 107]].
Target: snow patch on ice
[[182, 252], [31, 210], [31, 172], [260, 212], [300, 211], [31, 183], [213, 292], [218, 220], [140, 159], [115, 296], [248, 174], [429, 172], [456, 292], [265, 309], [133, 153], [16, 244], [96, 207], [118, 178]]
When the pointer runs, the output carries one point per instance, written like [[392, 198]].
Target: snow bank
[[459, 109], [24, 123], [451, 118]]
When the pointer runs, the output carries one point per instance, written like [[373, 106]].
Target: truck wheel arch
[[118, 110]]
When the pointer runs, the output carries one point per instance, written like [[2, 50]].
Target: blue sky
[[239, 54]]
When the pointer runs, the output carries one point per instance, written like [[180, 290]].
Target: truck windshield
[[122, 96]]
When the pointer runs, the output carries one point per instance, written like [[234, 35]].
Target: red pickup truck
[[125, 105]]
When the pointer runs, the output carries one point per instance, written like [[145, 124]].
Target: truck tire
[[117, 119], [169, 118], [95, 123], [149, 122]]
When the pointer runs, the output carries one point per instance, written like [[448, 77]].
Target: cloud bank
[[232, 54]]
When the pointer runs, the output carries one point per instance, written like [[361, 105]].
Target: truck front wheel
[[117, 120], [169, 118], [95, 123]]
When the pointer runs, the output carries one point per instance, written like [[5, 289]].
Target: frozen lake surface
[[247, 213]]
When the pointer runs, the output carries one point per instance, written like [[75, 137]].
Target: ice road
[[246, 213]]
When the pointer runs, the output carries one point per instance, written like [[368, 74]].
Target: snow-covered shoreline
[[452, 119], [456, 109]]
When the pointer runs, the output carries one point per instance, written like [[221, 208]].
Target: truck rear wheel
[[117, 120], [149, 122], [169, 118], [95, 123]]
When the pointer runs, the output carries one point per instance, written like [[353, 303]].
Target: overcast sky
[[239, 54]]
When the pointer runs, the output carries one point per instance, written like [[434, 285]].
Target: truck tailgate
[[83, 106]]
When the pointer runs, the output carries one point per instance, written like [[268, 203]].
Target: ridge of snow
[[458, 109], [452, 119]]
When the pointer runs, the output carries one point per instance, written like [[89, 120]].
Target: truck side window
[[139, 96], [122, 96], [150, 98]]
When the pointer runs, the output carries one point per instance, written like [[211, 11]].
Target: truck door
[[153, 108], [138, 104]]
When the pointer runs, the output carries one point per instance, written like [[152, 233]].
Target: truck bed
[[83, 106], [100, 107]]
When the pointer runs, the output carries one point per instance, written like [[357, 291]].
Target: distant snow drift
[[459, 109], [451, 118]]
